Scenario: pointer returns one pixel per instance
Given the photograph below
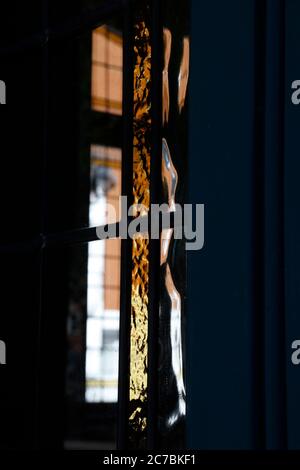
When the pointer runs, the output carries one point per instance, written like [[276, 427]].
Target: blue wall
[[220, 300], [244, 285]]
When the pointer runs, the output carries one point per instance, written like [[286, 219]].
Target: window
[[110, 118]]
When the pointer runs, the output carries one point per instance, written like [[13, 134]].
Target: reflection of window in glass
[[103, 279], [105, 185], [103, 283], [102, 338], [93, 271], [107, 53]]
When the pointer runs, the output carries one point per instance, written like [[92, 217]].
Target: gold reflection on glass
[[140, 251], [183, 76], [165, 78]]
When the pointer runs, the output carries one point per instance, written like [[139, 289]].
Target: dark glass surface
[[82, 389], [85, 127]]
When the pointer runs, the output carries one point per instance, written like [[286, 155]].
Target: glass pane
[[107, 56], [86, 280], [138, 367], [102, 324], [172, 390], [85, 128]]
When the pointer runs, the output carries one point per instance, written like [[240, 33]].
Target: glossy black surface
[[172, 322]]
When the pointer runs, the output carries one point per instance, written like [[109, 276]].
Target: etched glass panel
[[138, 392]]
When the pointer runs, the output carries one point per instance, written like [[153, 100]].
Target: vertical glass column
[[172, 315], [156, 388], [138, 393]]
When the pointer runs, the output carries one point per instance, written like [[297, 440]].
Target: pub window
[[111, 359]]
